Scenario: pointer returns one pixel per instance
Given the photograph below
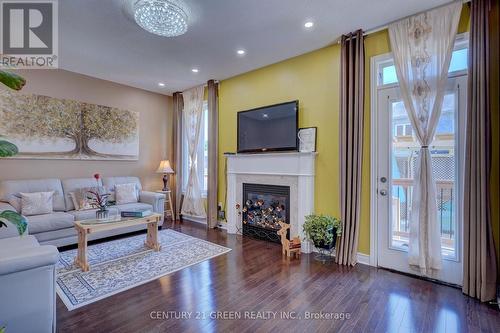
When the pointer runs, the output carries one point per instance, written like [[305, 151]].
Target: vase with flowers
[[99, 199]]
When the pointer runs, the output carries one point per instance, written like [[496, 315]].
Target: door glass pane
[[458, 62], [389, 75], [444, 165], [405, 149], [404, 153]]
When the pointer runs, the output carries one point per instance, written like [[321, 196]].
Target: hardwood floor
[[254, 280]]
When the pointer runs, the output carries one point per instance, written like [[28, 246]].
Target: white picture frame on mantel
[[307, 139]]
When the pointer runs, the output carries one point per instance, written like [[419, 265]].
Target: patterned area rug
[[122, 264]]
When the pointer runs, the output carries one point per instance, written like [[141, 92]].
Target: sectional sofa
[[27, 285], [57, 228]]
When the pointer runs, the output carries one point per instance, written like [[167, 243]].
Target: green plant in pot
[[322, 230], [8, 149], [15, 82]]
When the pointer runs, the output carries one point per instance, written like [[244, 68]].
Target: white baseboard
[[364, 258], [194, 219]]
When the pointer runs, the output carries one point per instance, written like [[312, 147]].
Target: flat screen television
[[269, 128]]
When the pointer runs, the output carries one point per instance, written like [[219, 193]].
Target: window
[[403, 130], [389, 74], [444, 157], [201, 157], [458, 63]]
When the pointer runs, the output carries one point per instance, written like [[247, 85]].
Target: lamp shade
[[165, 167]]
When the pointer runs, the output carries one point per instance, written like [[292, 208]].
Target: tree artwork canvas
[[53, 128]]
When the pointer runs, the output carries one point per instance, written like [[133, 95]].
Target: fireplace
[[262, 208], [292, 169]]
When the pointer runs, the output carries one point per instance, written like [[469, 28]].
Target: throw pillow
[[82, 198], [15, 201], [126, 193], [36, 203]]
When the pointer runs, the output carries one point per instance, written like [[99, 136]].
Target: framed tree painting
[[52, 128]]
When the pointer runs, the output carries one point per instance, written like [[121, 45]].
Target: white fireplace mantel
[[293, 169]]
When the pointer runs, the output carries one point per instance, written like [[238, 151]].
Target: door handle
[[383, 193]]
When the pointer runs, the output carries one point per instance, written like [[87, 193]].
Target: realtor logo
[[28, 33]]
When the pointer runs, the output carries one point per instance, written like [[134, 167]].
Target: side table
[[168, 209]]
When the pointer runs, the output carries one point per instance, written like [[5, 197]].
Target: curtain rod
[[385, 26], [203, 85], [206, 84]]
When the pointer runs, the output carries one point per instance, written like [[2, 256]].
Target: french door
[[397, 152]]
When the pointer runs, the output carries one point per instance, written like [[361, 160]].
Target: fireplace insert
[[264, 206]]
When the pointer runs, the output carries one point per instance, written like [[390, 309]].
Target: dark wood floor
[[253, 279]]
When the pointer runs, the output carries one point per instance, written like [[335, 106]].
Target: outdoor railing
[[402, 201]]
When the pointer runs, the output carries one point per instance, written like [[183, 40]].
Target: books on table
[[136, 213]]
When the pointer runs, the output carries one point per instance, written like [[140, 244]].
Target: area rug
[[125, 263]]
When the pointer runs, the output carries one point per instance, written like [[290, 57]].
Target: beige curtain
[[422, 46], [192, 118], [480, 270], [213, 153], [176, 157], [351, 143]]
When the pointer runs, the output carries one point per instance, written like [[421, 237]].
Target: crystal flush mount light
[[165, 18]]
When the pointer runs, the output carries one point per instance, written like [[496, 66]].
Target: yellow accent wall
[[313, 79]]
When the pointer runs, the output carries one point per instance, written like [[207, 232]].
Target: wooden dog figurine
[[289, 248]]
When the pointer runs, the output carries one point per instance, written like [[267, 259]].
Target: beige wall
[[154, 128]]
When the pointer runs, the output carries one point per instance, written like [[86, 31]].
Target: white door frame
[[373, 155], [374, 61]]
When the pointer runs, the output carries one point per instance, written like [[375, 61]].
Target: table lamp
[[165, 169]]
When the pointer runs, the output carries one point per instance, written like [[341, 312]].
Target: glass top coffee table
[[86, 227]]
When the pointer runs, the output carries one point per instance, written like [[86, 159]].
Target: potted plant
[[8, 149], [99, 200], [15, 82], [322, 230]]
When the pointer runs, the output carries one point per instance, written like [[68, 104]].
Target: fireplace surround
[[291, 169]]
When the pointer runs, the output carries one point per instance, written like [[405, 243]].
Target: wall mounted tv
[[269, 128]]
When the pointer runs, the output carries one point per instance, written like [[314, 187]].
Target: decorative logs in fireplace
[[265, 206]]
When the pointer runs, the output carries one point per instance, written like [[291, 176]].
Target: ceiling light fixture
[[309, 24], [165, 18], [161, 84], [241, 52], [195, 70]]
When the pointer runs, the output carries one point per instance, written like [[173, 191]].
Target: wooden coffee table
[[86, 227]]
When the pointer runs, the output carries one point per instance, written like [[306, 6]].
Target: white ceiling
[[99, 39]]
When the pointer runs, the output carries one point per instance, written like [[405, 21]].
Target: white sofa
[[57, 228], [27, 284]]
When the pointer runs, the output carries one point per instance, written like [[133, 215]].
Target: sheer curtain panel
[[422, 46]]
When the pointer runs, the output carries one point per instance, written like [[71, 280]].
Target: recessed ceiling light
[[195, 70], [241, 52], [309, 24], [161, 84]]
